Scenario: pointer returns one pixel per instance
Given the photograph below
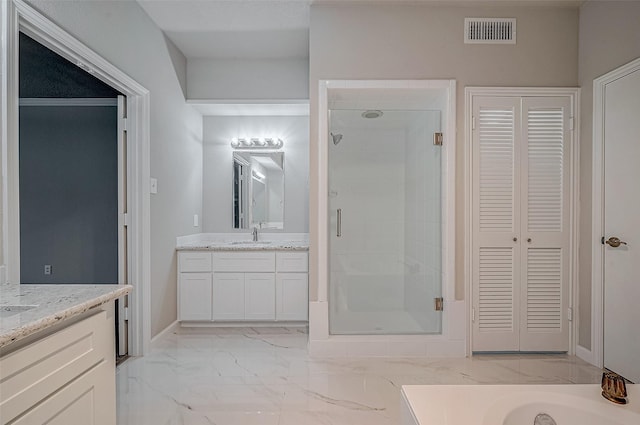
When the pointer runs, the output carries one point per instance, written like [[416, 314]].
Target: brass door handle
[[615, 242]]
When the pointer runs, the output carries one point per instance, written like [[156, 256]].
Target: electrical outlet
[[48, 269]]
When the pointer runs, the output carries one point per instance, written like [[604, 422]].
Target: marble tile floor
[[265, 376]]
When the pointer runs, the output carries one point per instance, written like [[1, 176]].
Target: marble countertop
[[50, 304], [244, 246]]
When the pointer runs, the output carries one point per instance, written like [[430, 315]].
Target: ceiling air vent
[[490, 30]]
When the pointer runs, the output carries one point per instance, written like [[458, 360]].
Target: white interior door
[[521, 223], [123, 269], [621, 220], [496, 224], [545, 166]]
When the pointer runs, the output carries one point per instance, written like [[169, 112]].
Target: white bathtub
[[515, 405]]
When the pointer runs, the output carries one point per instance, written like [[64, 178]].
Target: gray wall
[[609, 38], [253, 79], [376, 41], [122, 33], [68, 194], [217, 184]]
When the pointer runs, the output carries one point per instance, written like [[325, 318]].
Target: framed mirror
[[258, 190]]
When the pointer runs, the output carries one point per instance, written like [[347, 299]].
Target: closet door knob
[[615, 242], [515, 239], [529, 240]]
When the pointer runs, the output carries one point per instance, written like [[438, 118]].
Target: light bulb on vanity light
[[274, 142], [256, 143]]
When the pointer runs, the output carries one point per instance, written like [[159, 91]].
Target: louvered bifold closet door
[[496, 222], [545, 233]]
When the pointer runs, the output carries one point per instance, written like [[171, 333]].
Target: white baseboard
[[585, 354], [166, 331]]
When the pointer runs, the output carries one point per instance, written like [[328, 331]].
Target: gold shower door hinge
[[438, 138], [439, 303]]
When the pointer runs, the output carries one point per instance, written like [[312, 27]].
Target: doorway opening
[[72, 170], [18, 17]]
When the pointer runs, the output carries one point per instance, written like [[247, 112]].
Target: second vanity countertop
[[243, 242], [244, 246]]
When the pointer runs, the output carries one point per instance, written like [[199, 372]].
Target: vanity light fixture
[[257, 143]]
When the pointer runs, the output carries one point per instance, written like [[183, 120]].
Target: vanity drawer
[[292, 261], [244, 261], [194, 262]]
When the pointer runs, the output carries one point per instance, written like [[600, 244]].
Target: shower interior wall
[[368, 185]]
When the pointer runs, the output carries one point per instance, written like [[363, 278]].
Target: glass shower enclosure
[[385, 243]]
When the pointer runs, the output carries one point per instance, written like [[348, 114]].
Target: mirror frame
[[242, 190]]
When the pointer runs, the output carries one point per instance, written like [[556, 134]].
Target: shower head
[[336, 138]]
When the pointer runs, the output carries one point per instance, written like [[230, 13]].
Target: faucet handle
[[614, 388]]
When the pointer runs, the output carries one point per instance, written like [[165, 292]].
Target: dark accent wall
[[68, 173], [44, 73], [68, 194]]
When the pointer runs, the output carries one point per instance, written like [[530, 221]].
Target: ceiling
[[248, 29], [258, 29]]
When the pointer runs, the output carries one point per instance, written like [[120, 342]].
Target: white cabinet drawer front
[[228, 296], [292, 261], [244, 261], [195, 296], [52, 362], [194, 262]]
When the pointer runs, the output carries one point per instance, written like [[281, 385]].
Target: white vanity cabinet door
[[292, 296], [259, 293], [194, 298], [228, 296]]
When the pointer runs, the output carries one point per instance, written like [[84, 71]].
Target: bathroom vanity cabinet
[[57, 354], [244, 286], [57, 379]]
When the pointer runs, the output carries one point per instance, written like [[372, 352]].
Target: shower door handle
[[339, 223]]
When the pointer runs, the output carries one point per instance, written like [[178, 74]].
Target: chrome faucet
[[254, 234], [613, 388]]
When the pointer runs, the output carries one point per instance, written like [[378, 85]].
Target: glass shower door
[[385, 222]]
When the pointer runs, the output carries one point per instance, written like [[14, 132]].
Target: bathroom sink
[[10, 310], [250, 243]]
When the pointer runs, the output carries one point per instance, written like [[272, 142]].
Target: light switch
[[154, 185], [195, 220]]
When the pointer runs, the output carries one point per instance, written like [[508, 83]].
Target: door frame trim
[[574, 94], [596, 354], [321, 342], [16, 16]]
